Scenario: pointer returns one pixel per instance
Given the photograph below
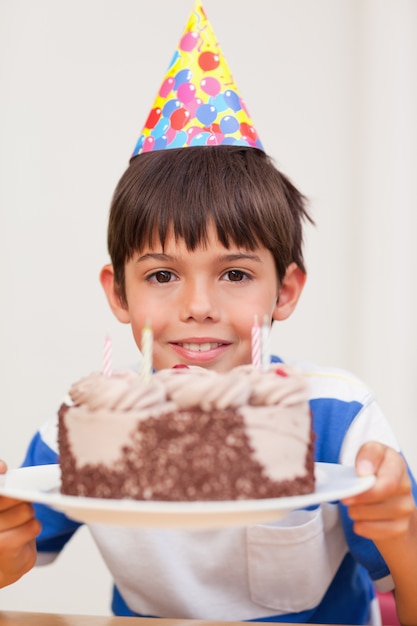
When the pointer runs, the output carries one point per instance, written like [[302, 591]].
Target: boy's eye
[[235, 275], [162, 276]]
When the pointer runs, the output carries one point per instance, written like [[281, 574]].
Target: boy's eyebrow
[[240, 256], [224, 258], [158, 256]]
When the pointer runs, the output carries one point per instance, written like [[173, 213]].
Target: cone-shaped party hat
[[198, 103]]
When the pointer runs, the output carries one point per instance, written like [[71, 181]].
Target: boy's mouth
[[200, 347], [199, 351]]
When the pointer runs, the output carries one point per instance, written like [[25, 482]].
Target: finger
[[392, 478], [8, 503], [399, 507], [3, 467], [16, 515], [384, 520], [13, 540], [22, 561], [369, 458], [382, 529]]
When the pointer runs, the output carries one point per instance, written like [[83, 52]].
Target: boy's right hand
[[18, 530]]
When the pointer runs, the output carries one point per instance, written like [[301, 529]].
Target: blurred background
[[332, 88]]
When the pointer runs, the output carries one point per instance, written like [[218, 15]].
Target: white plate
[[42, 483]]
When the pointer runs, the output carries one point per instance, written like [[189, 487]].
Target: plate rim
[[356, 484]]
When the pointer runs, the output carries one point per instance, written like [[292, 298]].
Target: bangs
[[180, 192], [184, 203]]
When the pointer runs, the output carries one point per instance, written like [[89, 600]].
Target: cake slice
[[188, 434]]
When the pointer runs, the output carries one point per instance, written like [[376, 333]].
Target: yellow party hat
[[198, 103]]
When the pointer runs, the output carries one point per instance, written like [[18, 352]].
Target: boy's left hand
[[387, 515], [384, 511]]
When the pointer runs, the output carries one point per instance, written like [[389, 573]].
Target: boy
[[200, 260], [200, 240]]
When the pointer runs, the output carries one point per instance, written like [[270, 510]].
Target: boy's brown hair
[[181, 191]]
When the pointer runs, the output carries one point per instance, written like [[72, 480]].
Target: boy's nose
[[199, 302]]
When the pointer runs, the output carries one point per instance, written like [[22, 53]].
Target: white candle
[[266, 343], [147, 351]]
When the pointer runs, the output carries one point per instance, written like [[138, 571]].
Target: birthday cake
[[188, 434]]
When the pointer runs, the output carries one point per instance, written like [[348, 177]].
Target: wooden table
[[13, 618]]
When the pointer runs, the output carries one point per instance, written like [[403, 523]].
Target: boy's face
[[201, 304]]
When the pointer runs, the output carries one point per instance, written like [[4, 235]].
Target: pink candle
[[256, 343], [107, 357]]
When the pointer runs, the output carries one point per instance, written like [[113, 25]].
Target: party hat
[[198, 103]]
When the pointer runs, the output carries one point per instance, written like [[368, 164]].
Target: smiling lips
[[200, 347], [200, 351], [204, 349]]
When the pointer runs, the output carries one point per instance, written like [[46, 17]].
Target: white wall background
[[332, 88]]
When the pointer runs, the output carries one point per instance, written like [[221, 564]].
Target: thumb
[[369, 458]]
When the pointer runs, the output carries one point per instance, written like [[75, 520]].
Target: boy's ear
[[289, 292], [112, 292]]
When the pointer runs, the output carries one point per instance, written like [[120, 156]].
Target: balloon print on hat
[[198, 103]]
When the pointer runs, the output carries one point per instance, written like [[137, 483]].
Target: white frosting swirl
[[124, 391], [184, 388]]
